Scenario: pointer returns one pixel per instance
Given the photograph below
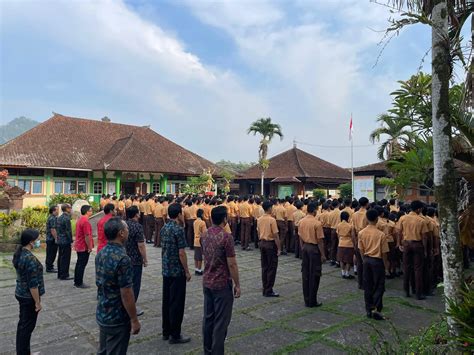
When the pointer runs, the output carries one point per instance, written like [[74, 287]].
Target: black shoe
[[361, 287], [198, 273], [337, 265], [52, 271], [420, 298], [369, 314], [273, 294], [82, 286], [180, 340], [283, 253], [318, 304], [345, 277], [377, 316], [332, 263], [140, 312], [165, 337], [66, 278], [350, 277]]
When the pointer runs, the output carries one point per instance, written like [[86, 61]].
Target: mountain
[[16, 127]]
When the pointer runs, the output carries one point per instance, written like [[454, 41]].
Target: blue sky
[[199, 72]]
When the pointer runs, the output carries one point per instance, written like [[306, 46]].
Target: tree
[[234, 167], [267, 129], [345, 190], [319, 193]]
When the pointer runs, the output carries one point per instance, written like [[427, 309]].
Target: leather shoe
[[273, 294], [52, 271], [66, 278], [421, 298], [82, 286], [180, 340], [166, 337]]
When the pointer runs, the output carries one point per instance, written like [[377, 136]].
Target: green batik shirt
[[29, 274], [172, 239], [113, 270]]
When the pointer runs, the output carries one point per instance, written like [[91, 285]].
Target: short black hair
[[416, 205], [344, 216], [109, 208], [267, 205], [363, 201], [430, 212], [113, 226], [85, 209], [299, 205], [200, 213], [347, 202], [132, 211], [312, 206], [372, 215], [65, 206], [218, 215], [335, 203], [52, 209], [174, 210]]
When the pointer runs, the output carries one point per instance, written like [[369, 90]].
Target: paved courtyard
[[259, 325]]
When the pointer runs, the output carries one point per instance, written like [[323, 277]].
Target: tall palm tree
[[267, 129]]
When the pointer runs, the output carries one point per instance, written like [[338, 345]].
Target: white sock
[[355, 268]]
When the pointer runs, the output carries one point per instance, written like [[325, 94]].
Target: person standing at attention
[[158, 213], [116, 314], [51, 239], [29, 288], [219, 272], [270, 249], [64, 241], [175, 275], [136, 250], [298, 215], [312, 236], [199, 228], [83, 245], [245, 213], [281, 220], [345, 249], [359, 221], [101, 238], [372, 245]]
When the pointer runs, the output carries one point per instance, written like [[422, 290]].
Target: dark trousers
[[142, 220], [82, 260], [64, 261], [298, 253], [137, 271], [360, 268], [233, 222], [327, 241], [26, 325], [189, 225], [374, 283], [217, 315], [51, 252], [290, 238], [413, 254], [282, 230], [334, 245], [114, 340], [269, 261], [245, 228], [311, 270], [174, 297], [149, 227], [159, 223], [254, 232]]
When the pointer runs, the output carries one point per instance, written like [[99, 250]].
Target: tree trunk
[[444, 173], [262, 184]]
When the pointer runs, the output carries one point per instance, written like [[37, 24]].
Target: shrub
[[462, 313], [61, 199], [35, 217], [319, 193], [345, 190]]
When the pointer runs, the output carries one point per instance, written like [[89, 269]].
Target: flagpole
[[352, 160]]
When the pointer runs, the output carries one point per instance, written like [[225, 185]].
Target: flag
[[351, 129]]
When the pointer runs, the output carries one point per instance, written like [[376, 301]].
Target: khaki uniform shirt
[[232, 209], [189, 212], [267, 228], [128, 203], [245, 210], [199, 229], [413, 226], [290, 209], [334, 218], [344, 233], [149, 205], [141, 206], [350, 211], [207, 212], [372, 242], [298, 215], [158, 211], [121, 206], [258, 212], [359, 220], [280, 213], [310, 229]]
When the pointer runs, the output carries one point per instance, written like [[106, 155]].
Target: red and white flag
[[351, 129]]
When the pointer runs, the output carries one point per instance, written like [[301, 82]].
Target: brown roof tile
[[380, 166], [68, 142], [300, 164]]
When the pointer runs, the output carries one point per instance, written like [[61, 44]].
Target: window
[[70, 173], [81, 187], [25, 185], [70, 187], [37, 187], [155, 188], [58, 187], [97, 187], [110, 188], [11, 182]]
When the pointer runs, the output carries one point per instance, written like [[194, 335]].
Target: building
[[294, 172], [67, 155]]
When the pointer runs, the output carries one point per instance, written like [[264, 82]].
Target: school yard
[[259, 325]]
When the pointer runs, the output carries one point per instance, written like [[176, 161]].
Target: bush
[[463, 315], [319, 193], [35, 217], [61, 199], [345, 190]]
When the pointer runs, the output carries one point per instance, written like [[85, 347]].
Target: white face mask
[[37, 244]]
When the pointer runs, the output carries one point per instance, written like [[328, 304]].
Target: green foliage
[[232, 167], [95, 206], [462, 312], [345, 190], [35, 217], [196, 185], [70, 199], [264, 164], [224, 183], [7, 219], [266, 128], [319, 193]]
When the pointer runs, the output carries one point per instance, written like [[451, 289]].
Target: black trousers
[[114, 340], [282, 230], [245, 229], [64, 261], [174, 298], [82, 260], [374, 283], [269, 262], [149, 227], [26, 325], [217, 314], [334, 245], [360, 268], [189, 229], [137, 271], [290, 238], [327, 241], [413, 260], [51, 252], [159, 223], [298, 253], [311, 270], [233, 222], [254, 232]]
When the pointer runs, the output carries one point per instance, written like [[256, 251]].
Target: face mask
[[37, 244]]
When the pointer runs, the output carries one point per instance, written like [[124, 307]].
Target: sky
[[200, 72]]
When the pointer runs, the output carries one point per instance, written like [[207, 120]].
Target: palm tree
[[267, 129]]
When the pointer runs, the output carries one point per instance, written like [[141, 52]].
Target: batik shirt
[[113, 271], [172, 239], [29, 274], [50, 224], [64, 230], [135, 236]]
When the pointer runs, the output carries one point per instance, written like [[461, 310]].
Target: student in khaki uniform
[[158, 213], [359, 221], [345, 249], [414, 232], [149, 219], [102, 202], [128, 202], [233, 216], [141, 208], [372, 245], [297, 217], [245, 212], [281, 217], [324, 219], [311, 234], [257, 212], [290, 226], [347, 208], [393, 205], [334, 218], [437, 272], [189, 213], [207, 212], [199, 228], [121, 207], [270, 249]]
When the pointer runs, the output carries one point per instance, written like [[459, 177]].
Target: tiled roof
[[300, 164], [286, 179], [68, 142], [380, 166]]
